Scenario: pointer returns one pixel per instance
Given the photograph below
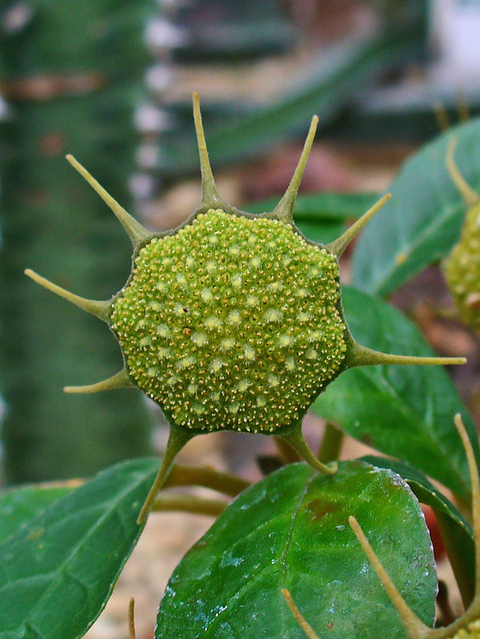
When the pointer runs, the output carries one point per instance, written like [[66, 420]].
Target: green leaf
[[19, 505], [290, 531], [329, 83], [323, 232], [328, 206], [422, 221], [403, 411], [321, 216], [457, 533], [57, 573], [424, 490]]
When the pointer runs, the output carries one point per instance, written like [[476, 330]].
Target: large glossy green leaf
[[19, 505], [456, 531], [422, 221], [404, 411], [58, 571], [291, 531], [327, 85]]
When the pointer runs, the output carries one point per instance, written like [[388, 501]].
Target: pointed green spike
[[470, 196], [131, 619], [363, 356], [284, 209], [135, 230], [210, 196], [119, 380], [176, 441], [97, 308], [338, 246], [295, 438], [299, 618], [415, 628]]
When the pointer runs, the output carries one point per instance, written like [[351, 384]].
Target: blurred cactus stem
[[72, 73]]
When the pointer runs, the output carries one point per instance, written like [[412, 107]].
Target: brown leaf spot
[[320, 508]]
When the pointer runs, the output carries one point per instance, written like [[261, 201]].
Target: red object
[[437, 541]]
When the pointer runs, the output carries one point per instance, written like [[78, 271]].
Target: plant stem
[[189, 504], [207, 477], [177, 439], [288, 454], [295, 438], [331, 445]]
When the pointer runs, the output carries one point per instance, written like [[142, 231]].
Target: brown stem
[[207, 477], [189, 504]]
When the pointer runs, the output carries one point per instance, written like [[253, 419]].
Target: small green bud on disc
[[472, 631], [232, 323]]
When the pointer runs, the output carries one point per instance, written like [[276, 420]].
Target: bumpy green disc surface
[[232, 323]]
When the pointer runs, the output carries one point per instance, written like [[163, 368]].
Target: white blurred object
[[151, 119], [4, 109], [456, 39], [16, 17], [162, 34], [159, 77], [141, 185], [147, 155]]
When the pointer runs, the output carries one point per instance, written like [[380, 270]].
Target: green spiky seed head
[[462, 270], [232, 323], [462, 267]]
